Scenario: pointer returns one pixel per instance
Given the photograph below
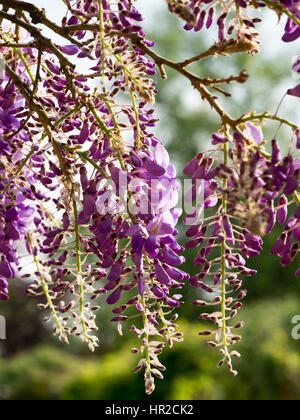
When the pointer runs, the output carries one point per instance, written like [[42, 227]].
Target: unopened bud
[[238, 305], [200, 303], [239, 325], [235, 354], [233, 314], [206, 332], [221, 363], [242, 294]]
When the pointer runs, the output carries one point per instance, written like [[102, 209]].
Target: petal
[[12, 232], [114, 297], [84, 134], [154, 168], [70, 49], [161, 156], [5, 270], [295, 91], [255, 132], [162, 275]]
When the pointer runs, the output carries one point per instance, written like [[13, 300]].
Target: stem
[[63, 118], [113, 115], [102, 30], [283, 9], [267, 116], [19, 169], [145, 320], [100, 122], [138, 138], [130, 198], [85, 157], [22, 58], [46, 291], [78, 263], [223, 254]]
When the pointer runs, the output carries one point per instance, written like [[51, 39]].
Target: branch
[[16, 45], [265, 116], [36, 33], [197, 82], [281, 8], [39, 16], [230, 46]]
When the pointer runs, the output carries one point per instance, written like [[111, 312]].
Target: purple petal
[[137, 243], [154, 168], [295, 91], [254, 132], [70, 49], [162, 275], [171, 258], [114, 297], [5, 270], [84, 134], [151, 246]]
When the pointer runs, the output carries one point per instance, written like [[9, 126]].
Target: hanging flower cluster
[[16, 213], [95, 196], [248, 190], [235, 16], [88, 191], [230, 17]]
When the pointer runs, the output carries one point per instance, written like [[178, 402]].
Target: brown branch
[[39, 16], [197, 82], [230, 46], [46, 43], [241, 78], [43, 118], [223, 48], [36, 33], [16, 45]]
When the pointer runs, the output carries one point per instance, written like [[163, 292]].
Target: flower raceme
[[251, 191], [62, 148], [90, 192]]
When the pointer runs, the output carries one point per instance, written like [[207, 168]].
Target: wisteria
[[88, 191]]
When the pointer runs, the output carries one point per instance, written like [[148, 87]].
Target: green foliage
[[269, 369]]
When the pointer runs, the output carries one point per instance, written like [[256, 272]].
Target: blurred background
[[34, 365]]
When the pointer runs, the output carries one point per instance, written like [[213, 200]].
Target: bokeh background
[[33, 365]]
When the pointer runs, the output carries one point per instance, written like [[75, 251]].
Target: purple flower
[[296, 90], [70, 49], [292, 30], [218, 139], [254, 132]]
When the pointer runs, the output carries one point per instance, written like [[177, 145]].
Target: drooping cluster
[[15, 210], [249, 190], [230, 18], [85, 182]]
